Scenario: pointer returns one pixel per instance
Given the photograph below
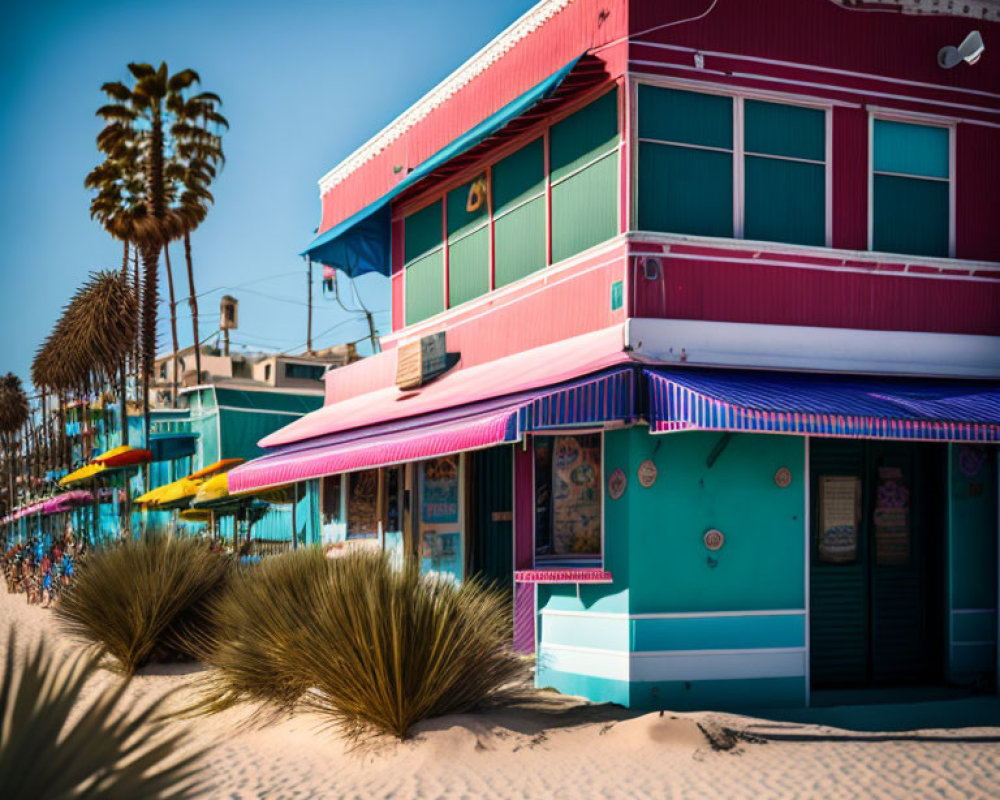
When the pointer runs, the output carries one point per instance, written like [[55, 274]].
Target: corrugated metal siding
[[850, 178], [425, 287], [977, 176], [785, 295], [519, 242]]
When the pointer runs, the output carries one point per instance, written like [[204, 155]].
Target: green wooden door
[[492, 539]]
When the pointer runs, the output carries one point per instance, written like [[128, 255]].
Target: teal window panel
[[911, 216], [910, 149], [674, 115], [685, 190], [422, 231], [468, 267], [779, 129], [425, 287], [519, 242], [518, 176], [784, 201], [583, 136], [585, 208], [461, 220]]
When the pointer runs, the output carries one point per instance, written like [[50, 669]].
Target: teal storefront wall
[[682, 626], [972, 564]]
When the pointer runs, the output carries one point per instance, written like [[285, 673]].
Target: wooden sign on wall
[[421, 361]]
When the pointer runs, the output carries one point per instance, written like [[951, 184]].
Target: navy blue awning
[[823, 405], [360, 243]]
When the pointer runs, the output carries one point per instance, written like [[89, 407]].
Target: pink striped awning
[[592, 400]]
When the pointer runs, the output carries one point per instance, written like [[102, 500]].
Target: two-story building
[[695, 347]]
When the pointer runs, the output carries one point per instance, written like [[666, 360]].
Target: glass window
[[784, 176], [362, 504], [312, 372], [911, 192], [440, 517], [424, 263], [685, 162], [568, 507], [519, 213], [583, 162], [331, 511], [468, 241]]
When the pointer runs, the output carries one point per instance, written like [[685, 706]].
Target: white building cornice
[[533, 19]]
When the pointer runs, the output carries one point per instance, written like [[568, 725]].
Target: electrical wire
[[632, 36]]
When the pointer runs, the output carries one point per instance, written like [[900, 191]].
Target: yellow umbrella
[[179, 493], [82, 475]]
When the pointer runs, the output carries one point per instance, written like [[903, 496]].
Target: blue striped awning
[[823, 405]]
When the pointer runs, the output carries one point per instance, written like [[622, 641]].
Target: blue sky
[[303, 84]]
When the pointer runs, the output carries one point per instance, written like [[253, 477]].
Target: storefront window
[[362, 504], [440, 517], [568, 500], [331, 513]]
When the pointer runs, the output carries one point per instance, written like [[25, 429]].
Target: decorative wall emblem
[[783, 477], [647, 473], [617, 483], [714, 539], [970, 460]]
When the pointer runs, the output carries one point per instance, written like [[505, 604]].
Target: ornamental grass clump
[[145, 599], [372, 646], [53, 747]]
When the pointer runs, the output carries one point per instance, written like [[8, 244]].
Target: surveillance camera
[[969, 51]]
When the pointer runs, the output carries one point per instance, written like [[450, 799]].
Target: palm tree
[[13, 416], [154, 139]]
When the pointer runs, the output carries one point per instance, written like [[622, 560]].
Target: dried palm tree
[[151, 137]]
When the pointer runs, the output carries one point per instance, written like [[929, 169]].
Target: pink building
[[695, 326]]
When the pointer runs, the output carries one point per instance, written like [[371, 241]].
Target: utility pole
[[309, 316]]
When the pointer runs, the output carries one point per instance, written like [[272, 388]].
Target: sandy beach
[[555, 748]]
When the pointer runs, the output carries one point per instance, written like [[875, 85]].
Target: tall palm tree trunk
[[193, 303], [173, 326]]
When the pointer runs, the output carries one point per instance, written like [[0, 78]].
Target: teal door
[[877, 563], [492, 522]]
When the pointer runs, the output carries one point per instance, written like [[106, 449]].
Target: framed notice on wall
[[839, 517], [892, 518]]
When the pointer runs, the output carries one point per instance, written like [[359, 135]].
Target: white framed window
[[747, 166], [911, 189]]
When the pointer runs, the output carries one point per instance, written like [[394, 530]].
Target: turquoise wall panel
[[974, 627], [423, 231], [779, 129], [723, 695], [424, 287], [585, 208], [910, 149], [584, 135], [674, 115], [719, 633], [519, 242], [685, 190], [518, 176], [594, 631], [468, 267], [761, 566], [784, 201], [598, 690], [910, 215]]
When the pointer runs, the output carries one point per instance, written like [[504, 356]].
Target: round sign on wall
[[783, 477], [714, 539], [616, 483], [647, 473]]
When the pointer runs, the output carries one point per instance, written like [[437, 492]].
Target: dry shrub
[[144, 600], [54, 746], [371, 646]]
